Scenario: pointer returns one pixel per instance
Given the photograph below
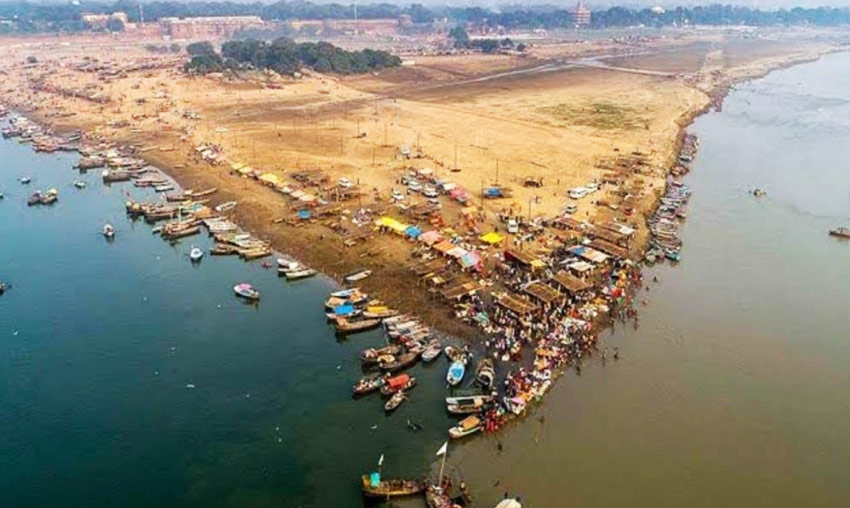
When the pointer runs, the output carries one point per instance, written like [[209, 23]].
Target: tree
[[32, 60], [115, 25], [200, 48], [460, 37]]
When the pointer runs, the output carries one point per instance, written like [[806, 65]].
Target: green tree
[[200, 48], [460, 37], [115, 25]]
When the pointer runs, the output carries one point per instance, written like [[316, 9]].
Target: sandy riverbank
[[562, 126]]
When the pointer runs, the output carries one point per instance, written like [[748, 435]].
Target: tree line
[[285, 56], [26, 16]]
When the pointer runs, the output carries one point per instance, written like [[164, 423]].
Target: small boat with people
[[400, 382], [34, 199], [467, 426], [395, 401], [246, 291], [196, 254], [108, 231], [400, 362], [371, 356], [840, 232], [374, 486], [432, 350], [484, 373], [457, 369], [368, 384]]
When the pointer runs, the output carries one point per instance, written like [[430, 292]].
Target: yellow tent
[[393, 224], [236, 166], [270, 178], [245, 170], [492, 238]]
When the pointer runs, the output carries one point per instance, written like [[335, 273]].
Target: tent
[[444, 246], [413, 231], [471, 260], [344, 310], [430, 237], [492, 238], [270, 178], [303, 214], [398, 382], [245, 170], [457, 252]]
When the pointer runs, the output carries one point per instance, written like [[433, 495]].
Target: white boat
[[163, 188], [225, 206], [25, 180], [108, 231], [196, 254], [300, 274], [359, 275], [246, 291], [79, 184], [467, 426]]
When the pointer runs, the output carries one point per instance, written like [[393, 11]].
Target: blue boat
[[456, 371]]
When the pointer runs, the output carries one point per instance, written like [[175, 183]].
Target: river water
[[733, 391]]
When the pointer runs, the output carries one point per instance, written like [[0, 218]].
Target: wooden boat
[[255, 253], [436, 498], [300, 274], [401, 362], [246, 291], [343, 325], [391, 488], [395, 401], [182, 232], [108, 231], [115, 176], [467, 426], [368, 385], [358, 275], [229, 205], [840, 232], [379, 312], [200, 194], [220, 249], [464, 409], [371, 355], [432, 351], [35, 199], [2, 287], [484, 373], [394, 384], [469, 397], [49, 198]]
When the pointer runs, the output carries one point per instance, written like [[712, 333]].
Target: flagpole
[[442, 466]]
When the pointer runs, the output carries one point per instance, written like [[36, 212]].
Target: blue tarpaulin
[[304, 214], [413, 231], [577, 250], [493, 191], [344, 310], [375, 479]]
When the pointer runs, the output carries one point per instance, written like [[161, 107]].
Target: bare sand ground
[[530, 117]]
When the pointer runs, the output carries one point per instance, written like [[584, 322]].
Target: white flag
[[381, 460], [443, 449]]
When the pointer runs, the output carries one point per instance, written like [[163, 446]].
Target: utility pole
[[497, 170], [455, 166]]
